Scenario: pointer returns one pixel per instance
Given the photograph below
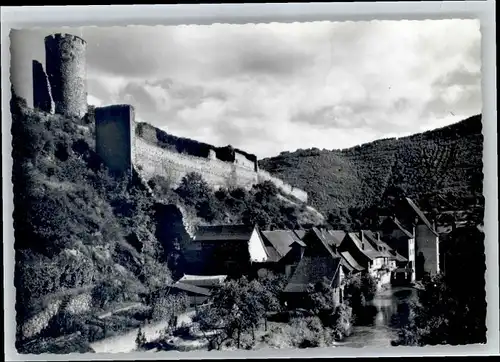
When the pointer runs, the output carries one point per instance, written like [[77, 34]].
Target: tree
[[140, 340], [234, 309], [168, 307], [273, 285], [359, 289]]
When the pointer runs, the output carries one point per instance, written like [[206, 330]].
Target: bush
[[140, 340]]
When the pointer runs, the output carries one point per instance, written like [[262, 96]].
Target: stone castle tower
[[67, 74]]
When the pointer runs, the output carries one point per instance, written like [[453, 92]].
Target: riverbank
[[380, 330], [126, 342]]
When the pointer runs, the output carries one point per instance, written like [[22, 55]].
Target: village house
[[285, 250], [230, 249], [385, 264], [196, 295], [310, 271], [426, 243], [362, 252], [322, 248], [198, 288], [402, 242]]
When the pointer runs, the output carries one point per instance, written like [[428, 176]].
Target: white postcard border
[[121, 15]]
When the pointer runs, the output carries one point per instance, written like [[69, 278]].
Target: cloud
[[272, 87]]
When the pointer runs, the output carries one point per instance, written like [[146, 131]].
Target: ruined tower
[[66, 70], [42, 98], [114, 138]]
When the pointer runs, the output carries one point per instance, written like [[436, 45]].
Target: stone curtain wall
[[283, 186], [243, 161], [42, 98], [114, 141], [151, 160], [66, 69]]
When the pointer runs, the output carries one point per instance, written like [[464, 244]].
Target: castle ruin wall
[[283, 186], [151, 160], [66, 70], [42, 97], [243, 161], [114, 139]]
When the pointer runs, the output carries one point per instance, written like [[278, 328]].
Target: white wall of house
[[256, 248]]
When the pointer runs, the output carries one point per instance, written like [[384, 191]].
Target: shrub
[[140, 340]]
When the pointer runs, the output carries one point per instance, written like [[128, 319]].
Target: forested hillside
[[441, 168]]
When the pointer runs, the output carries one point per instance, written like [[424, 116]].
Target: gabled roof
[[312, 270], [282, 240], [397, 256], [364, 246], [421, 215], [333, 237], [272, 254], [224, 233], [319, 235], [191, 288], [203, 280], [400, 227], [300, 233], [349, 262], [377, 244]]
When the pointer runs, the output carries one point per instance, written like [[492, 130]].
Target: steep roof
[[224, 233], [312, 270], [319, 235], [364, 246], [421, 215], [272, 255], [203, 280], [300, 233], [349, 262], [398, 224], [378, 244], [191, 288], [397, 256], [333, 237], [282, 240]]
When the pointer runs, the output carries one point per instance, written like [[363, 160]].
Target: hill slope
[[443, 162]]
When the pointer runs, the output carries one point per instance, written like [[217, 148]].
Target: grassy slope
[[446, 162]]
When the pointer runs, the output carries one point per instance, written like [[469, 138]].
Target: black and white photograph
[[232, 187]]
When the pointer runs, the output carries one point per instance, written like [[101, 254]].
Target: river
[[377, 331]]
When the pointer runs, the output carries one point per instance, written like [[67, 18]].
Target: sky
[[268, 88]]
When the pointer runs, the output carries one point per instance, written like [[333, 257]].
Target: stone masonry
[[114, 137], [42, 98], [66, 69]]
